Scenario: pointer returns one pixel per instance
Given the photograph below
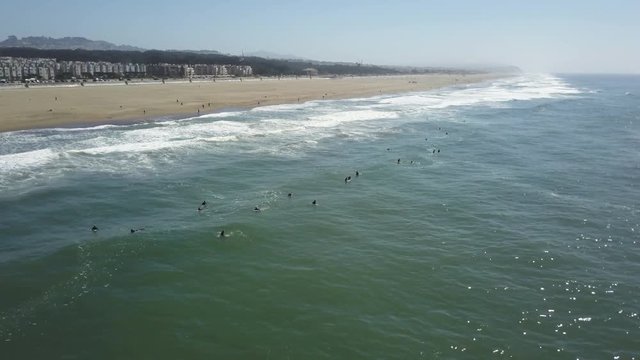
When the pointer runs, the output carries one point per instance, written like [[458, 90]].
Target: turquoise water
[[518, 239]]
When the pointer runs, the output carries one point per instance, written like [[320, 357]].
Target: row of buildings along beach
[[14, 69]]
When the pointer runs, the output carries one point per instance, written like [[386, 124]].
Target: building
[[18, 69]]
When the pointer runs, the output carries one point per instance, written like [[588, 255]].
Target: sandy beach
[[109, 103]]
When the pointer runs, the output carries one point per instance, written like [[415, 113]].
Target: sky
[[562, 36]]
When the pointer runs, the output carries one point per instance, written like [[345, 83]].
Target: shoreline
[[41, 107]]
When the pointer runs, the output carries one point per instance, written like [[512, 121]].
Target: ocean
[[492, 220]]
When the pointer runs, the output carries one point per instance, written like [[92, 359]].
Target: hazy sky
[[538, 35]]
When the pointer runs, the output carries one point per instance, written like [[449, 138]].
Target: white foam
[[527, 87], [91, 128], [220, 138], [132, 147], [221, 115], [10, 162], [337, 118], [286, 107]]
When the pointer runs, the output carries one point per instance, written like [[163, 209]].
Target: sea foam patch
[[132, 147], [526, 87], [27, 159], [286, 107], [337, 118], [224, 114]]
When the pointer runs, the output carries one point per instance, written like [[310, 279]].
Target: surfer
[[256, 209], [202, 206], [314, 202], [94, 228], [222, 233], [398, 161], [357, 173]]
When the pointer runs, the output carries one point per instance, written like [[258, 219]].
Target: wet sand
[[112, 103]]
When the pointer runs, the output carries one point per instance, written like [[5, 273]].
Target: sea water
[[493, 220]]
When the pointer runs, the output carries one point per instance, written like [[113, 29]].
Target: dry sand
[[37, 107]]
